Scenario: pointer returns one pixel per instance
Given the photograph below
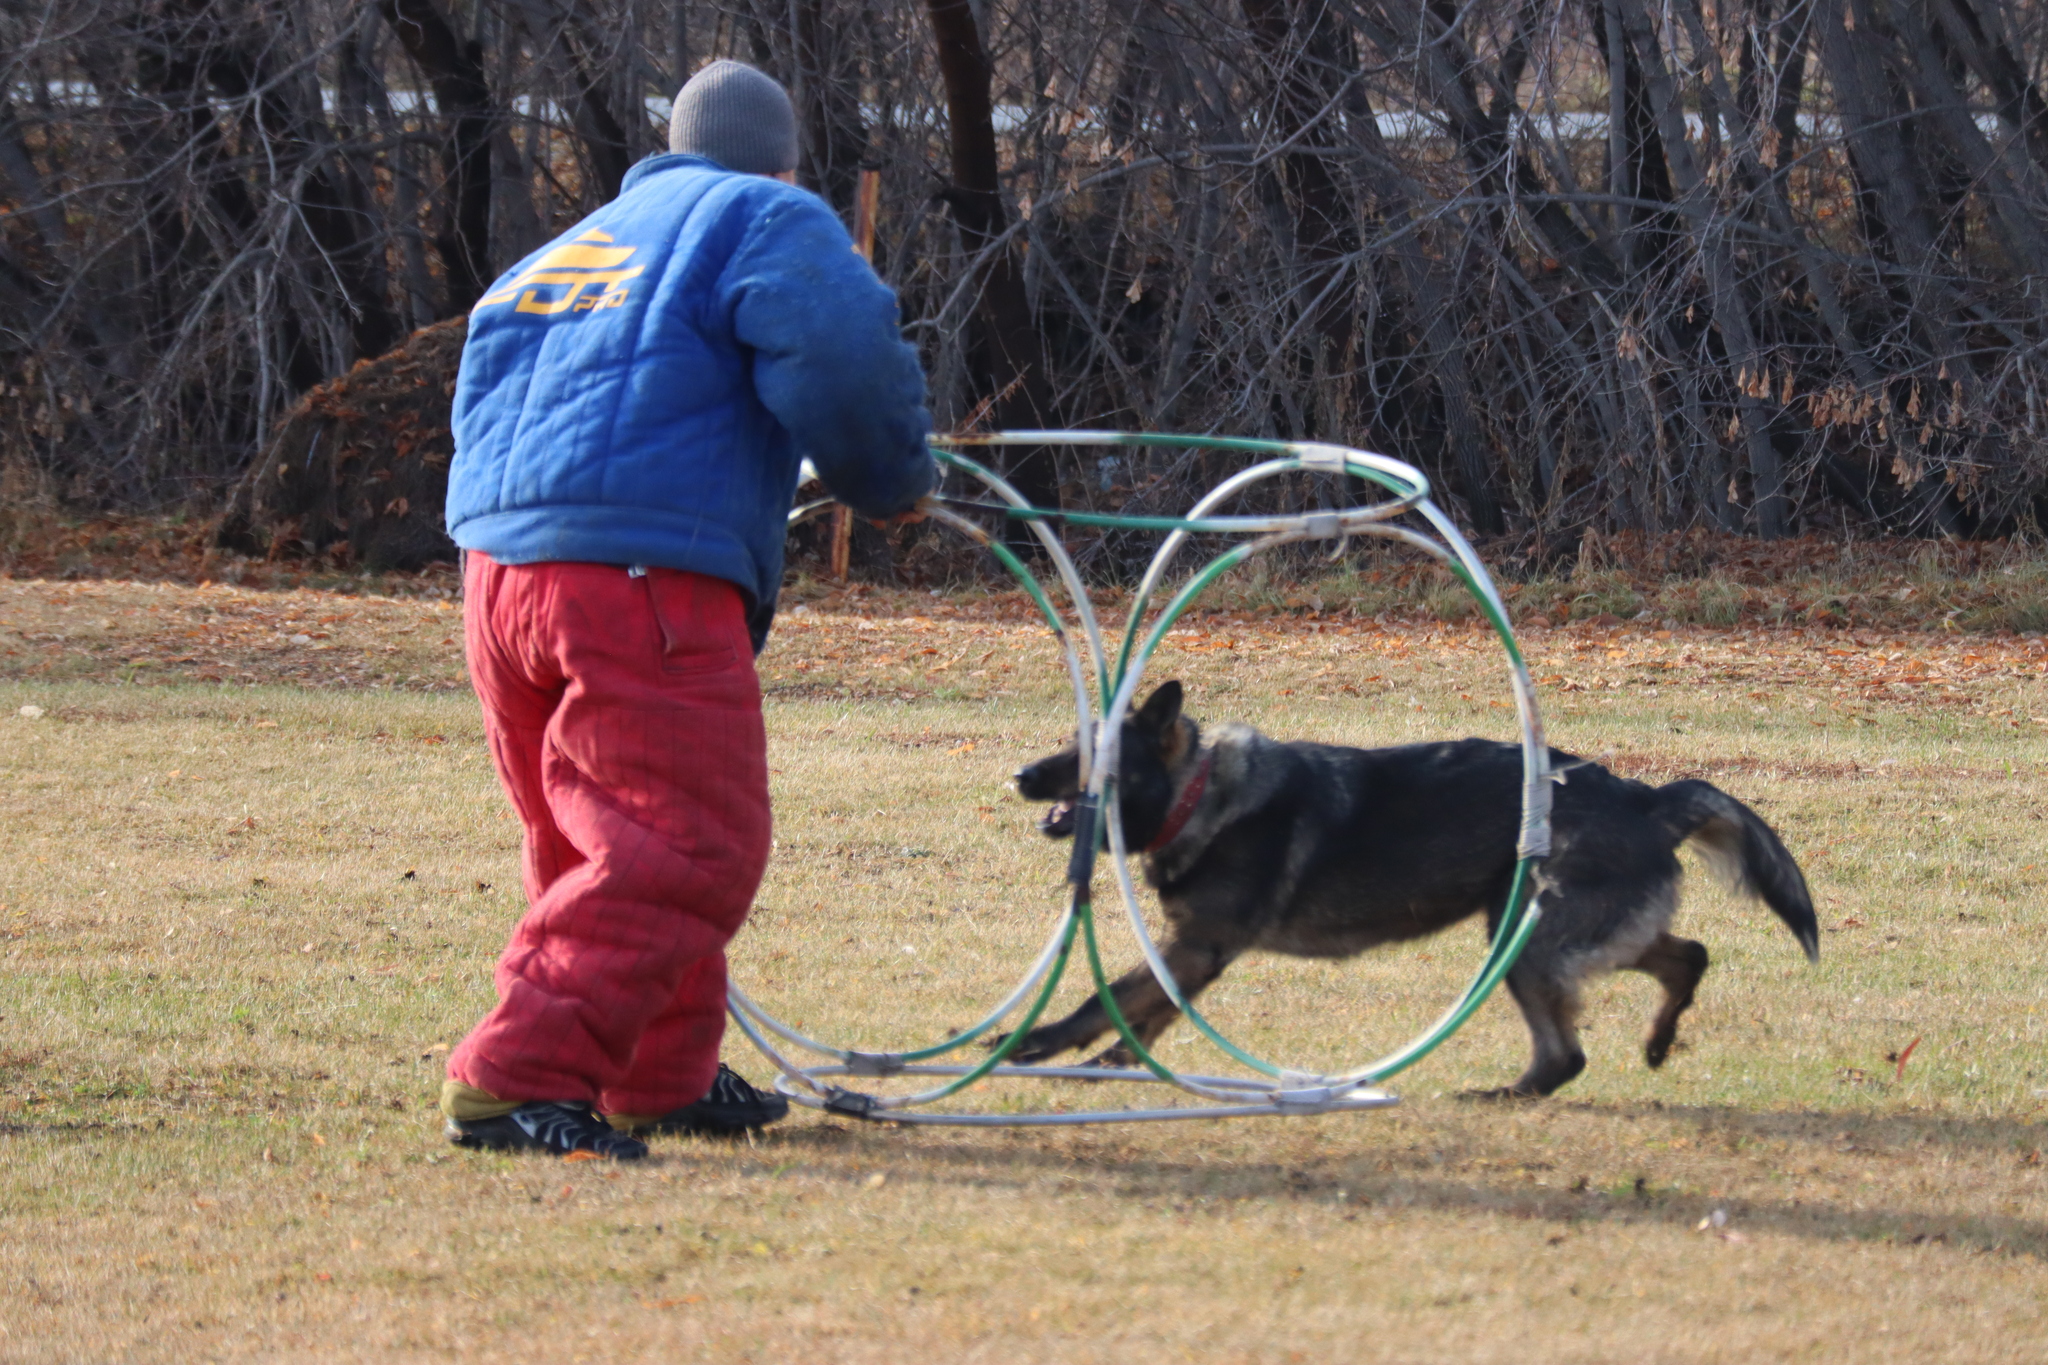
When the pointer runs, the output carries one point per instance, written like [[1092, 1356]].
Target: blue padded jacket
[[643, 389]]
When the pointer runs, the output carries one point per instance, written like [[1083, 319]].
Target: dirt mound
[[358, 471]]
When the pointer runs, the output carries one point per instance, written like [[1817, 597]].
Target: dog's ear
[[1162, 708]]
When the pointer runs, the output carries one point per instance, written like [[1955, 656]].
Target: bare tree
[[1762, 265]]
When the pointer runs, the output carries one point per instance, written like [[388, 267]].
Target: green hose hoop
[[1275, 1089]]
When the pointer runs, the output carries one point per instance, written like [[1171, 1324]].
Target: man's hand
[[915, 514]]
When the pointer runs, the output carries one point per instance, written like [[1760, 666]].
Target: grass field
[[251, 889]]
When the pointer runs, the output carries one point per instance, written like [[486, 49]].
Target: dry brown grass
[[224, 1004], [1696, 578], [164, 632], [1691, 578]]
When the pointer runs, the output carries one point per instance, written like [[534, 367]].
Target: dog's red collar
[[1190, 795]]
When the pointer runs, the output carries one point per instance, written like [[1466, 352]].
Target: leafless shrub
[[1764, 266]]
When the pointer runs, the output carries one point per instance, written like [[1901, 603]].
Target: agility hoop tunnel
[[1104, 688]]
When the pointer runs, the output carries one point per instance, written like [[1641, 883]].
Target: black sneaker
[[730, 1108], [558, 1126]]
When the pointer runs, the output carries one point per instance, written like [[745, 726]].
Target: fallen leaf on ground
[[1901, 1074]]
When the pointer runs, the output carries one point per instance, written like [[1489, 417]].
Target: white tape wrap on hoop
[[1318, 458]]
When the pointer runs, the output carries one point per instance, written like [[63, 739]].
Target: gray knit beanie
[[736, 116]]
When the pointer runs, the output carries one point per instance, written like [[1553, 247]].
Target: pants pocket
[[699, 620]]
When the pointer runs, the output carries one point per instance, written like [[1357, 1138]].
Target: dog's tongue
[[1058, 822]]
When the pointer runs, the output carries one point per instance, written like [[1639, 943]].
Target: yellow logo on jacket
[[578, 268]]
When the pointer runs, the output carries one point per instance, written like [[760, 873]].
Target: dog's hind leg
[[1144, 1005], [1550, 1007], [1678, 964]]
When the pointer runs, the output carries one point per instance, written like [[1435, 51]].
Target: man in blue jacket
[[634, 402]]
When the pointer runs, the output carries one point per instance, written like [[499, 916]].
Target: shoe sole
[[727, 1124], [479, 1143]]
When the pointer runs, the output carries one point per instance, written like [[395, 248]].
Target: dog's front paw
[[1501, 1092], [1035, 1046], [1659, 1048], [1118, 1058], [1058, 820]]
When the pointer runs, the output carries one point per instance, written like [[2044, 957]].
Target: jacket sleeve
[[828, 358]]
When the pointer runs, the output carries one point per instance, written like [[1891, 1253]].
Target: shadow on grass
[[1466, 1159], [1389, 1179], [1843, 1129]]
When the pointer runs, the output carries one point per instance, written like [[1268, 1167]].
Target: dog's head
[[1157, 742]]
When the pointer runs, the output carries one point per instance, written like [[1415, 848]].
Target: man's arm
[[829, 361]]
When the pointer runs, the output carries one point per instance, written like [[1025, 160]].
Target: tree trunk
[[835, 137], [1729, 306], [1008, 359], [332, 205], [1437, 315], [607, 148], [455, 70]]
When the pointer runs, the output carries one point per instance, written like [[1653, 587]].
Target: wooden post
[[864, 205], [865, 202], [842, 541]]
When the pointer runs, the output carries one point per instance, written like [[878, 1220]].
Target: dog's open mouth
[[1058, 822]]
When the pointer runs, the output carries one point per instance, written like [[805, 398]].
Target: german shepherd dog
[[1315, 850]]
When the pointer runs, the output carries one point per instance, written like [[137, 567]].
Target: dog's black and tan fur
[[1315, 850]]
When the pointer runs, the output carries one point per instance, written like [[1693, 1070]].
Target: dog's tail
[[1744, 850]]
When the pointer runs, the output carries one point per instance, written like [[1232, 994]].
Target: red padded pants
[[625, 719]]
